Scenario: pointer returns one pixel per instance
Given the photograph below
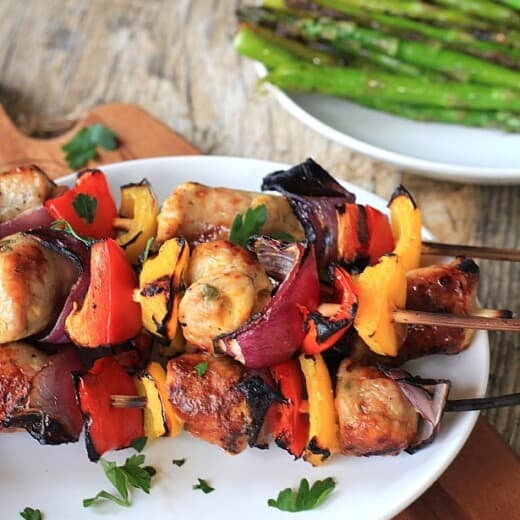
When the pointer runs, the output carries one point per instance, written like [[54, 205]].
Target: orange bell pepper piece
[[108, 314]]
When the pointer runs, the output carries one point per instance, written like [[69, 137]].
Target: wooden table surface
[[174, 58]]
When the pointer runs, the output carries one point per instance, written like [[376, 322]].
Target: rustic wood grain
[[59, 58]]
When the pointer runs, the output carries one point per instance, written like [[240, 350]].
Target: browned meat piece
[[215, 406], [19, 364], [449, 288], [24, 188], [201, 213], [374, 416], [226, 285], [37, 393], [34, 282]]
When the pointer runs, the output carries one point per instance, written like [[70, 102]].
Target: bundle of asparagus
[[453, 61]]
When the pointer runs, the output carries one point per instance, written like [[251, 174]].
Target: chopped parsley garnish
[[139, 444], [83, 146], [31, 514], [210, 292], [203, 486], [201, 368], [131, 474], [63, 225], [247, 225], [305, 498], [85, 207], [179, 462]]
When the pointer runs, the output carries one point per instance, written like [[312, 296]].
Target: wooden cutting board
[[484, 480]]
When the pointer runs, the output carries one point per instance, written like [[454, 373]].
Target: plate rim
[[455, 445], [409, 164]]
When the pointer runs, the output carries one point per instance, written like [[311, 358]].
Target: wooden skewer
[[490, 253], [452, 320], [452, 405], [483, 319]]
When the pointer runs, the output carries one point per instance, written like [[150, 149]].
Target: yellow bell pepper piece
[[153, 413], [381, 291], [160, 286], [406, 224], [137, 217], [174, 424], [323, 423]]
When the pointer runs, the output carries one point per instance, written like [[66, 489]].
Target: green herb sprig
[[83, 146], [31, 514], [247, 225], [305, 498], [132, 474], [179, 462], [85, 207], [201, 368], [203, 486]]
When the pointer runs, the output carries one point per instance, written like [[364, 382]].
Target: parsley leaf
[[139, 444], [85, 207], [83, 146], [203, 486], [63, 225], [305, 498], [201, 368], [179, 462], [131, 474], [31, 514], [246, 225], [210, 292]]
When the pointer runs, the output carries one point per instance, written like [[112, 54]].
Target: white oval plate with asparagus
[[438, 99]]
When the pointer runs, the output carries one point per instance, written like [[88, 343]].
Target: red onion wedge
[[275, 334], [428, 396], [78, 253], [315, 197], [28, 219]]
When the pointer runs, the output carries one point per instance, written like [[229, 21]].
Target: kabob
[[220, 298]]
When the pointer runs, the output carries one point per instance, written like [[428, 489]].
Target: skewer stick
[[482, 403], [490, 253], [452, 405], [452, 320]]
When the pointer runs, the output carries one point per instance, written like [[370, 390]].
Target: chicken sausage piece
[[34, 283], [24, 188], [19, 364], [211, 404], [201, 213], [374, 415]]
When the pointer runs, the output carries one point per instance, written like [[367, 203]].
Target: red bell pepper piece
[[106, 427], [88, 207], [324, 331], [109, 315], [381, 240], [291, 430]]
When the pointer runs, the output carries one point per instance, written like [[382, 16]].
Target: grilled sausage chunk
[[213, 405], [24, 188], [226, 285], [444, 288], [34, 283], [37, 393], [374, 416], [201, 213]]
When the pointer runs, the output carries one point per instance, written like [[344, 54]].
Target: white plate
[[55, 479], [441, 151]]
